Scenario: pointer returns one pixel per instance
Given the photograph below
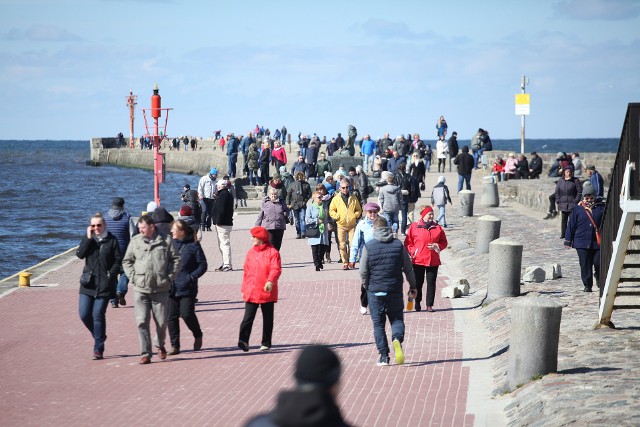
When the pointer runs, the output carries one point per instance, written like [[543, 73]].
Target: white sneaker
[[363, 310], [264, 348]]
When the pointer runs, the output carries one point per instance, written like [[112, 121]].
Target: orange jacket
[[418, 237], [261, 265]]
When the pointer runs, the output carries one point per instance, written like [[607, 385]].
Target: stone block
[[552, 271], [534, 274], [450, 292], [463, 286]]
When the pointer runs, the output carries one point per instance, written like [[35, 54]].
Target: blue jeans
[[404, 208], [365, 162], [299, 215], [231, 169], [381, 307], [427, 164], [123, 285], [442, 217], [477, 154], [392, 219], [92, 313], [461, 179], [253, 177]]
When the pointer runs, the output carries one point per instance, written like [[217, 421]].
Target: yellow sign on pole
[[522, 104]]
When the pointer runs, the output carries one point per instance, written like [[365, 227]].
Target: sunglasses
[[96, 225]]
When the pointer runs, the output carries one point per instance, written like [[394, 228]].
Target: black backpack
[[191, 200]]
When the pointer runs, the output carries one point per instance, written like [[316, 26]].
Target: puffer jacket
[[104, 260], [261, 265], [381, 257], [345, 216], [568, 193], [418, 237], [390, 198], [273, 216], [151, 267], [194, 265]]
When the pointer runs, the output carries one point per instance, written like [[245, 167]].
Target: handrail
[[622, 186]]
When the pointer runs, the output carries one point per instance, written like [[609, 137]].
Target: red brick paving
[[48, 377]]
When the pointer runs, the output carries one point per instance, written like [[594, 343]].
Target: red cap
[[425, 211], [186, 210], [260, 233]]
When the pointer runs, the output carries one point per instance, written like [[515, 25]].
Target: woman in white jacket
[[442, 147]]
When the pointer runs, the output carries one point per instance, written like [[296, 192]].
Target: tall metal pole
[[131, 103], [523, 85]]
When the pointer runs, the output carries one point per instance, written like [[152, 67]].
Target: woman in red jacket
[[262, 269], [425, 239]]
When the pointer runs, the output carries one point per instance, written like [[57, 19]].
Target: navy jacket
[[581, 233], [194, 265], [379, 263]]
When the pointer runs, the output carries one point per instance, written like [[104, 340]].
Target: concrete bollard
[[505, 262], [535, 333], [488, 231], [490, 197], [466, 202]]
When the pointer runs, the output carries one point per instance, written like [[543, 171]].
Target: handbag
[[312, 231], [87, 279]]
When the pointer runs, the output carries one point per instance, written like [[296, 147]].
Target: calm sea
[[48, 193]]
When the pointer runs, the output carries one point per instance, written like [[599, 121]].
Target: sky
[[66, 66]]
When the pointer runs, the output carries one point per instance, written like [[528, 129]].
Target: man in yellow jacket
[[345, 209]]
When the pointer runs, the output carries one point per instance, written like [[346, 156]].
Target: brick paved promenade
[[48, 377]]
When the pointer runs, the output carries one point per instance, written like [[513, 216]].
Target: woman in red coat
[[262, 269], [425, 239]]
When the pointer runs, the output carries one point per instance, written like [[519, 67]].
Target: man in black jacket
[[222, 218], [383, 281], [465, 164], [535, 166]]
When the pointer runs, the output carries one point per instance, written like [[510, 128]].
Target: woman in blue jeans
[[103, 259]]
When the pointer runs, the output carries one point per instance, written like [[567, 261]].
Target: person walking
[[207, 191], [316, 219], [465, 163], [184, 292], [232, 154], [583, 234], [120, 224], [151, 263], [252, 164], [345, 209], [363, 234], [424, 242], [439, 197], [273, 216], [390, 198], [102, 264], [442, 147], [222, 219], [568, 193], [596, 180], [262, 269], [298, 194], [382, 279]]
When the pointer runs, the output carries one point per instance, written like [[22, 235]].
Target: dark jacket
[[163, 220], [120, 225], [568, 193], [104, 260], [298, 194], [453, 146], [465, 163], [194, 265], [379, 263], [580, 233], [298, 408], [536, 166], [252, 158], [222, 212]]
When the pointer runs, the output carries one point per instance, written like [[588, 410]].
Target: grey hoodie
[[390, 198]]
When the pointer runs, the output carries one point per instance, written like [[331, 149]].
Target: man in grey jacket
[[390, 198], [383, 280], [151, 263]]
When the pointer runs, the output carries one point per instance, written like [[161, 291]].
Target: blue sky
[[67, 65]]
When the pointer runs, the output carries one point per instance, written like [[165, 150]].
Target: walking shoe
[[114, 304], [328, 258], [97, 355], [174, 351], [363, 310], [162, 353], [219, 268], [197, 344], [417, 307], [588, 289], [121, 299], [145, 359], [430, 309], [264, 348], [243, 346], [226, 268], [397, 348], [554, 214], [298, 236], [384, 360], [345, 267], [549, 216]]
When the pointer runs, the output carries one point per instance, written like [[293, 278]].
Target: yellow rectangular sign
[[522, 98], [522, 104]]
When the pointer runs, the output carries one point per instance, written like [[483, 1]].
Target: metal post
[[523, 85]]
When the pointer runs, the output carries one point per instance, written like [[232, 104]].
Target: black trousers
[[589, 261], [184, 307], [250, 310], [264, 173], [563, 222], [552, 203], [364, 297], [206, 213], [317, 252], [431, 273], [275, 236]]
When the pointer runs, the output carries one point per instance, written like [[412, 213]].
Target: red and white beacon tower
[[156, 139]]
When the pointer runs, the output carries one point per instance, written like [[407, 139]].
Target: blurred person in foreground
[[262, 269], [101, 253], [313, 401]]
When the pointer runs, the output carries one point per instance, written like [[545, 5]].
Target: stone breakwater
[[598, 380]]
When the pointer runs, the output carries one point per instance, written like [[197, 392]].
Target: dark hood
[[160, 215], [314, 408], [116, 214]]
